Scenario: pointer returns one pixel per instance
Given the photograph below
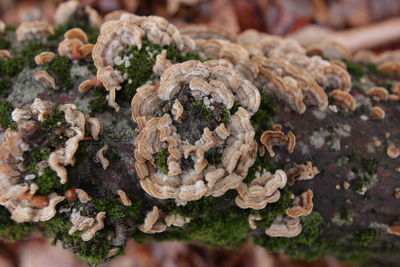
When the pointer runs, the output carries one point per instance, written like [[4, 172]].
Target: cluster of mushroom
[[18, 185], [117, 36], [289, 224], [164, 113], [271, 138], [155, 222], [388, 61], [292, 75]]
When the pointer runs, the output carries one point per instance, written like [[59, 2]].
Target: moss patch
[[12, 66], [5, 86], [261, 165], [11, 231], [5, 115], [60, 69], [32, 49], [141, 62], [262, 119], [161, 160]]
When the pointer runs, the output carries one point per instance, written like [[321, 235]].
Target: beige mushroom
[[36, 30], [124, 198], [284, 226], [302, 205], [44, 57], [44, 78], [344, 99], [377, 113]]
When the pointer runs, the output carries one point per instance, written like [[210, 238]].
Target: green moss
[[176, 57], [140, 69], [4, 43], [365, 237], [308, 245], [261, 165], [198, 109], [208, 226], [354, 157], [12, 66], [262, 119], [225, 116], [357, 71], [92, 252], [273, 210], [10, 28], [5, 86], [53, 120], [96, 250], [92, 33], [30, 50], [111, 206], [370, 165], [49, 182], [116, 210], [161, 160], [99, 103], [60, 69], [5, 115], [141, 65], [11, 231]]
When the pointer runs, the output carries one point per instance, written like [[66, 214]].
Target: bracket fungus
[[271, 138], [89, 226], [261, 191], [65, 11], [204, 89], [284, 226], [208, 32], [117, 36], [36, 30], [301, 172], [15, 158], [153, 223], [302, 205]]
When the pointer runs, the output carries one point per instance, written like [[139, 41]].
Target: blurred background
[[357, 24]]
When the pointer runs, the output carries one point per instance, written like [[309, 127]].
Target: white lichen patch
[[19, 94], [317, 139]]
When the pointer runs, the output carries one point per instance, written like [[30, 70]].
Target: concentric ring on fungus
[[208, 150], [118, 35]]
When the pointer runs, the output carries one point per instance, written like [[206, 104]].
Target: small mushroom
[[5, 55], [377, 113], [378, 93], [44, 78], [82, 195], [302, 205], [76, 33], [100, 156], [344, 99], [44, 57], [124, 198], [392, 151]]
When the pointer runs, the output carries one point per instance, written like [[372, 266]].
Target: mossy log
[[354, 201]]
